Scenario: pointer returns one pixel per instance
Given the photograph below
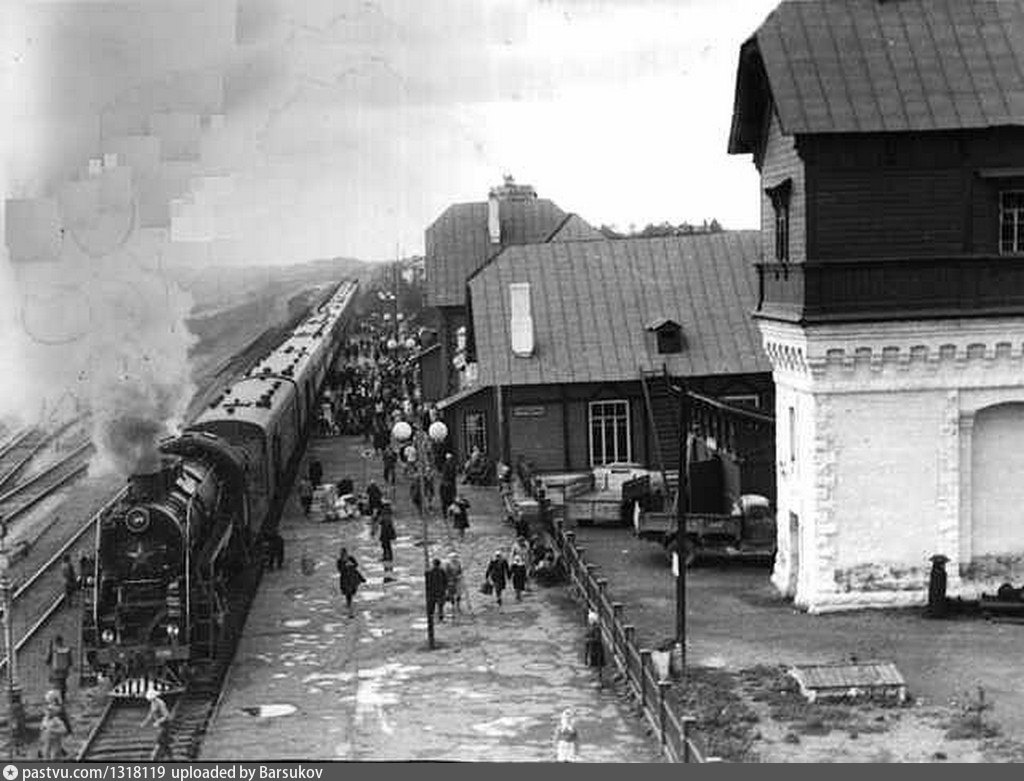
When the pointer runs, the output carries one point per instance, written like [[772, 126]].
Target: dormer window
[[669, 335], [780, 197]]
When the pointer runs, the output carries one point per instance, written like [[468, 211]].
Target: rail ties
[[34, 490], [119, 736]]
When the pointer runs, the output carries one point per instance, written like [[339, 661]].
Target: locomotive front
[[140, 617]]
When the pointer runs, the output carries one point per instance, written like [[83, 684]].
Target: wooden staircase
[[661, 400]]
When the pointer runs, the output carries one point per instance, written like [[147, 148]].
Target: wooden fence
[[635, 664]]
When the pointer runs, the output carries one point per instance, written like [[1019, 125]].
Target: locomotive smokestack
[[154, 486]]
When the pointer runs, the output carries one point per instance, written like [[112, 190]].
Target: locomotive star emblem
[[139, 556]]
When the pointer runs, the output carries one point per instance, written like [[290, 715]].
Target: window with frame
[[792, 435], [474, 430], [780, 196], [1011, 222], [609, 432], [670, 339], [749, 400]]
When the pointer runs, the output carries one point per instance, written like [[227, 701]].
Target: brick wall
[[890, 467]]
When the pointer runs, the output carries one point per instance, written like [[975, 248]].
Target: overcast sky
[[350, 125]]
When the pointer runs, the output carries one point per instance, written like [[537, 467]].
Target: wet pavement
[[310, 683]]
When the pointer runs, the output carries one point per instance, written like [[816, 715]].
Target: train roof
[[290, 359], [255, 400]]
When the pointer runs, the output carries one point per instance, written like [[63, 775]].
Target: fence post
[[617, 608], [688, 722], [645, 662], [602, 594], [663, 687], [628, 644]]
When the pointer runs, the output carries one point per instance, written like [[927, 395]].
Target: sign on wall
[[529, 412]]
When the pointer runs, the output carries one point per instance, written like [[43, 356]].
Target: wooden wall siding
[[433, 376], [878, 213], [910, 195], [781, 161], [543, 444]]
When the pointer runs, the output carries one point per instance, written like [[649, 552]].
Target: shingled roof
[[592, 301], [457, 243], [864, 66]]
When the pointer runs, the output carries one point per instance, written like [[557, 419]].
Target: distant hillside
[[215, 288]]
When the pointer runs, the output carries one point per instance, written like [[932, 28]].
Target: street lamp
[[416, 451], [16, 712]]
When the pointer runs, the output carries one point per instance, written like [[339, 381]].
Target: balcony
[[891, 289]]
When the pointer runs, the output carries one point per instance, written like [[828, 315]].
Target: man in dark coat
[[449, 476], [937, 587], [374, 497], [437, 589], [497, 574], [349, 578], [316, 472]]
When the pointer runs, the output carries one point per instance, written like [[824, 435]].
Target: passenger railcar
[[166, 552]]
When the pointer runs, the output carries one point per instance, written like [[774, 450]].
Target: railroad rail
[[19, 451], [35, 489], [42, 594], [22, 447], [118, 735]]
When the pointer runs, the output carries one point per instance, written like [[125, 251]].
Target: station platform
[[310, 683]]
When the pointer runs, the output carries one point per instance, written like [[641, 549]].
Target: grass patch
[[725, 724]]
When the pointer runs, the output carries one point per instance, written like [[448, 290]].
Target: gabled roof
[[865, 66], [591, 302], [457, 243], [575, 228]]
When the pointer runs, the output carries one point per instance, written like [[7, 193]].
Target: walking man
[[437, 589], [390, 459], [349, 578], [70, 577], [387, 536], [58, 660], [497, 575], [160, 715], [449, 475]]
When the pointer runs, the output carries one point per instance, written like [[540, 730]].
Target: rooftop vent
[[669, 334]]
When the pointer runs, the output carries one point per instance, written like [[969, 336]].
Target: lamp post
[[16, 712], [406, 434]]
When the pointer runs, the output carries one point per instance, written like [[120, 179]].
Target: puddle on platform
[[270, 711]]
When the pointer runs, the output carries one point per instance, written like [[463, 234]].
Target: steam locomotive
[[167, 551]]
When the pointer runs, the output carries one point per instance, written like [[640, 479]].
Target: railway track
[[23, 497], [118, 736], [19, 450], [41, 595]]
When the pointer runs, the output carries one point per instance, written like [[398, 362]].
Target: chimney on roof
[[493, 217], [508, 191], [521, 325]]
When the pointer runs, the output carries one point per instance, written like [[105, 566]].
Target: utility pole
[[682, 508], [16, 711]]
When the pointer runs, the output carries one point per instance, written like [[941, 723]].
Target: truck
[[747, 532], [609, 493]]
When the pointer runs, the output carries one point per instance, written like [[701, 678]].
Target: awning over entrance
[[461, 395]]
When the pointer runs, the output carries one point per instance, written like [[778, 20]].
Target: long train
[[166, 552]]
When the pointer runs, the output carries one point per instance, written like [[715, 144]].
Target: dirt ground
[[742, 637]]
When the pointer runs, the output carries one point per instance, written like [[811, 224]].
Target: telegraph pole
[[682, 507], [16, 712]]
